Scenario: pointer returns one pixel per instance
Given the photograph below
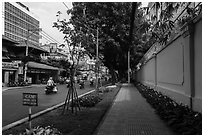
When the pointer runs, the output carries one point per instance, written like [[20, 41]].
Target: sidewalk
[[33, 85], [130, 114]]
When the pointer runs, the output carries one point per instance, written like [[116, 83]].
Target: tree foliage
[[112, 19], [113, 22]]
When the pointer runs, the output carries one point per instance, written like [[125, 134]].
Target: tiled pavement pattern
[[130, 114]]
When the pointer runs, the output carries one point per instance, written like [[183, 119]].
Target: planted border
[[179, 117]]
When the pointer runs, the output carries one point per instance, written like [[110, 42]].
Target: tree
[[113, 21], [159, 29], [73, 41]]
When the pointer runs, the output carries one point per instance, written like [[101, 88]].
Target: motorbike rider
[[91, 81], [50, 82], [68, 82], [81, 83]]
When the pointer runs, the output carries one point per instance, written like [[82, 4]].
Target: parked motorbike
[[51, 89]]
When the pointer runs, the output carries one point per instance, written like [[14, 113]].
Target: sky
[[46, 14]]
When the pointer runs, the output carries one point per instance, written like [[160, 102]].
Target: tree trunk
[[114, 77], [72, 94]]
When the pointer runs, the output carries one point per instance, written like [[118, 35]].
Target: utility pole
[[128, 66], [97, 60], [26, 53]]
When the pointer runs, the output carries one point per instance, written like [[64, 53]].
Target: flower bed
[[41, 131], [179, 117], [93, 98], [89, 100]]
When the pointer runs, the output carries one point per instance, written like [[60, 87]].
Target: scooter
[[51, 89]]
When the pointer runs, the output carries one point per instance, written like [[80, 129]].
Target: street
[[13, 110]]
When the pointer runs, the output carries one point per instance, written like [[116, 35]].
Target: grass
[[84, 123]]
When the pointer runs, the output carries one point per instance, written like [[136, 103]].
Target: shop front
[[9, 72], [38, 73]]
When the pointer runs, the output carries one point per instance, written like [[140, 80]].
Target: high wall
[[176, 69]]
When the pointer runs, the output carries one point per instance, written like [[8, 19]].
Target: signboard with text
[[9, 65], [30, 99]]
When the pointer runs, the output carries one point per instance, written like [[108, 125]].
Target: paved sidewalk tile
[[130, 114]]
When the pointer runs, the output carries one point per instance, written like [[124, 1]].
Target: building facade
[[20, 46], [19, 22]]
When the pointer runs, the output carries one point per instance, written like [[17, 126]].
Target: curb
[[105, 114], [39, 113]]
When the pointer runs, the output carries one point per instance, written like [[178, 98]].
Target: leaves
[[88, 100], [42, 131], [112, 19]]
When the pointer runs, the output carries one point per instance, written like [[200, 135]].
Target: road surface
[[13, 110]]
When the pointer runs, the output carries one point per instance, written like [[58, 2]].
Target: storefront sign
[[30, 99], [9, 65]]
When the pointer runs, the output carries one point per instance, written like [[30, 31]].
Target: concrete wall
[[197, 100], [176, 70]]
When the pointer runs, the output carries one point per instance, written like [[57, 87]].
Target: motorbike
[[91, 82], [68, 83], [81, 84], [51, 89]]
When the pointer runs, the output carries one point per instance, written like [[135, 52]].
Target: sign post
[[29, 118], [30, 99]]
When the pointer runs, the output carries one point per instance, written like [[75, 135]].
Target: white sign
[[9, 65]]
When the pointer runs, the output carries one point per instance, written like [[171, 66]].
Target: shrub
[[89, 100], [104, 90], [179, 117], [42, 131]]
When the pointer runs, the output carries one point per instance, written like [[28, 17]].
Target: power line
[[49, 37], [45, 37], [65, 5]]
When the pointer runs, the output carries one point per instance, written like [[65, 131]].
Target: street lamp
[[26, 53]]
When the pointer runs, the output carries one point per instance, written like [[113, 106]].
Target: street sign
[[30, 99]]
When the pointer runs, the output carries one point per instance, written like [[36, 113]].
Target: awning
[[41, 66], [9, 69], [5, 57], [9, 40]]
